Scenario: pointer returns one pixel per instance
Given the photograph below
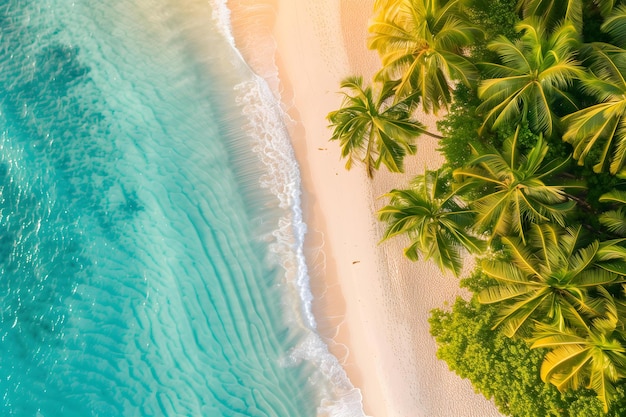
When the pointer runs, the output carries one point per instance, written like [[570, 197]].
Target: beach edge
[[371, 304]]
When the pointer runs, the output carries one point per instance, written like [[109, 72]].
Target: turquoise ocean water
[[151, 235]]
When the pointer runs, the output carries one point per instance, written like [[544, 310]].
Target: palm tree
[[421, 43], [553, 278], [615, 20], [512, 190], [434, 219], [615, 220], [532, 79], [602, 127], [373, 131], [554, 11], [592, 356]]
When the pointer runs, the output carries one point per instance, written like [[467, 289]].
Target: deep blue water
[[140, 265]]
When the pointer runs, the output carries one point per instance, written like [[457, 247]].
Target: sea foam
[[266, 127]]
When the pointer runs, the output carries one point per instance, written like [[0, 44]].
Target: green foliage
[[460, 133], [500, 368], [422, 44], [558, 99], [372, 132], [495, 18], [554, 12], [506, 370], [598, 184], [477, 281], [435, 221], [585, 406], [592, 20], [557, 149], [460, 129]]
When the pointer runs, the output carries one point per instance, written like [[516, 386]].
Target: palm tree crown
[[512, 189], [602, 126], [593, 356], [550, 278], [534, 74], [421, 44], [434, 219], [371, 130]]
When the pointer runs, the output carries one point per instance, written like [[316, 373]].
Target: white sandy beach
[[372, 304]]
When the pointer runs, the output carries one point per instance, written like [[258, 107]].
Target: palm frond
[[429, 214], [420, 44], [533, 76], [614, 221], [615, 25], [369, 130]]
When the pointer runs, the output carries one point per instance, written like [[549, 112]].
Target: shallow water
[[145, 271]]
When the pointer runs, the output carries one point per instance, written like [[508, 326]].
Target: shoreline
[[371, 304]]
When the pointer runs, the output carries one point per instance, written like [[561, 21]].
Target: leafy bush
[[494, 17], [503, 369], [460, 128]]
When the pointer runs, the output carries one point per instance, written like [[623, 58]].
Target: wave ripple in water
[[137, 278]]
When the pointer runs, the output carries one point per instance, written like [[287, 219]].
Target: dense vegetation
[[534, 137]]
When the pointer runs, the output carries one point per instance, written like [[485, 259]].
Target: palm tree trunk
[[432, 135]]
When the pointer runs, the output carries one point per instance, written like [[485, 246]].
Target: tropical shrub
[[503, 369], [460, 129]]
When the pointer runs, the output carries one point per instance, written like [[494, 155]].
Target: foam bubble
[[221, 16], [267, 130], [271, 140]]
